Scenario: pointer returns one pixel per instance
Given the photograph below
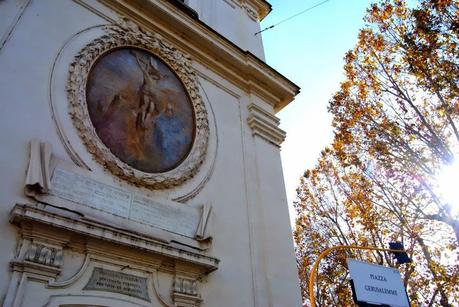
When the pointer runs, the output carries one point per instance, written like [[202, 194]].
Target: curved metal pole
[[313, 272]]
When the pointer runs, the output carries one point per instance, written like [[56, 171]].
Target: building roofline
[[223, 56]]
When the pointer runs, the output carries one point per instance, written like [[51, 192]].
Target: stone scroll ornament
[[135, 102]]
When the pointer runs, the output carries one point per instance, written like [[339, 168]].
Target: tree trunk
[[443, 296]]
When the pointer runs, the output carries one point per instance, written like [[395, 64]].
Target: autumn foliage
[[395, 119]]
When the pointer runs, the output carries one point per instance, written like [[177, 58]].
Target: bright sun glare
[[448, 184]]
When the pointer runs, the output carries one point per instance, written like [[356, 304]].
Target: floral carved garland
[[130, 35]]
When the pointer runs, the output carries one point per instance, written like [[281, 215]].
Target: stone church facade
[[140, 156]]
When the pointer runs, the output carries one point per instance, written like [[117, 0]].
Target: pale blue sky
[[309, 50]]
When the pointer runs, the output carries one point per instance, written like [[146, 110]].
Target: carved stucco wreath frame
[[127, 34]]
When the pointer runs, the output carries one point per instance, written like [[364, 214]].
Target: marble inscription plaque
[[81, 189], [112, 281], [171, 217], [167, 215]]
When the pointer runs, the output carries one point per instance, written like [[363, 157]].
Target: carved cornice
[[262, 7], [89, 229], [250, 11], [265, 125], [210, 48], [39, 271], [256, 10], [129, 35]]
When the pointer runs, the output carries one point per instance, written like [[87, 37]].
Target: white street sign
[[377, 284]]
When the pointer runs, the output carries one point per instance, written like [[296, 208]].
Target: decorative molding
[[43, 254], [70, 138], [71, 187], [39, 271], [127, 34], [261, 7], [60, 220], [265, 125], [209, 165], [58, 74], [233, 3], [250, 11], [185, 292], [37, 261], [155, 284], [185, 286], [113, 258], [256, 9], [212, 50], [66, 283]]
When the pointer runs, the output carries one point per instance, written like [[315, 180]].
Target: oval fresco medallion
[[140, 110]]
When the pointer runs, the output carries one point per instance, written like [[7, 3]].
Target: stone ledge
[[265, 125], [211, 49], [31, 214]]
